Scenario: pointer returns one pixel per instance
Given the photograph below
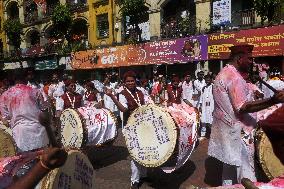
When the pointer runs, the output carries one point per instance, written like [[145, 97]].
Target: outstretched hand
[[54, 157], [279, 97]]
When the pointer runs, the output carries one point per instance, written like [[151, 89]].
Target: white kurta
[[207, 104], [21, 104], [277, 84], [56, 90], [198, 86], [187, 91], [230, 93]]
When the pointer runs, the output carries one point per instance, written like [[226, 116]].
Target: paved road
[[112, 166]]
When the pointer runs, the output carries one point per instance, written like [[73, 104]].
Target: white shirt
[[79, 89], [56, 90], [230, 92], [187, 91], [277, 84], [207, 105], [198, 85], [123, 101], [22, 104]]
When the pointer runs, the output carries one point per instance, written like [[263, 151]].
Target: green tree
[[62, 20], [131, 7], [267, 9], [14, 30]]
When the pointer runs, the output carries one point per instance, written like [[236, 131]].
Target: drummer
[[70, 99], [92, 96], [230, 114], [130, 98], [174, 92]]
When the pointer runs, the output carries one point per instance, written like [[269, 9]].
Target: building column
[[155, 23]]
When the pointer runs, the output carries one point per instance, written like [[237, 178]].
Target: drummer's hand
[[108, 92], [54, 157], [279, 97]]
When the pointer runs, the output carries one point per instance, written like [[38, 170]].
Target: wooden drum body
[[7, 143], [153, 134], [87, 126], [77, 172]]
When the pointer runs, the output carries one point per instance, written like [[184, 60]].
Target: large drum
[[87, 126], [7, 143], [77, 172], [155, 135], [269, 139], [270, 164]]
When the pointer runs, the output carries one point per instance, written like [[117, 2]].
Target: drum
[[5, 128], [7, 143], [77, 172], [154, 135], [270, 164], [87, 126]]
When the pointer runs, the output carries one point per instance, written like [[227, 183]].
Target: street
[[112, 164]]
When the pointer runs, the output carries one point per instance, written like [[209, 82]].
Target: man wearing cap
[[128, 100], [231, 110]]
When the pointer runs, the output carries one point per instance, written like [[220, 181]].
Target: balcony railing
[[244, 18]]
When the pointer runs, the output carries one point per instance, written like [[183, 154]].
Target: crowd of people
[[226, 104]]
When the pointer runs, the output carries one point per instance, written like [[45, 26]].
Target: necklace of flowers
[[87, 94], [136, 100], [71, 101]]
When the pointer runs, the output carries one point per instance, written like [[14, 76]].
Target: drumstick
[[248, 184], [266, 84]]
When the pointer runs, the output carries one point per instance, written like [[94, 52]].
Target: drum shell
[[84, 123], [145, 121], [77, 172], [82, 131], [270, 164], [7, 144]]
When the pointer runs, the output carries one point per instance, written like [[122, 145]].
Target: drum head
[[7, 144], [150, 135], [72, 131], [270, 164], [77, 172]]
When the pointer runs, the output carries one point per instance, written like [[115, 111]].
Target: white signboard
[[222, 12], [15, 65]]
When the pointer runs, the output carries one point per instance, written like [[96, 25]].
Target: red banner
[[267, 42]]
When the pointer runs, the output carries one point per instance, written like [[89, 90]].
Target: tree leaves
[[62, 19], [266, 9], [13, 29]]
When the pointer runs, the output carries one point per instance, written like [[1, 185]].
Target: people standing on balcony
[[230, 93], [128, 100], [198, 85]]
